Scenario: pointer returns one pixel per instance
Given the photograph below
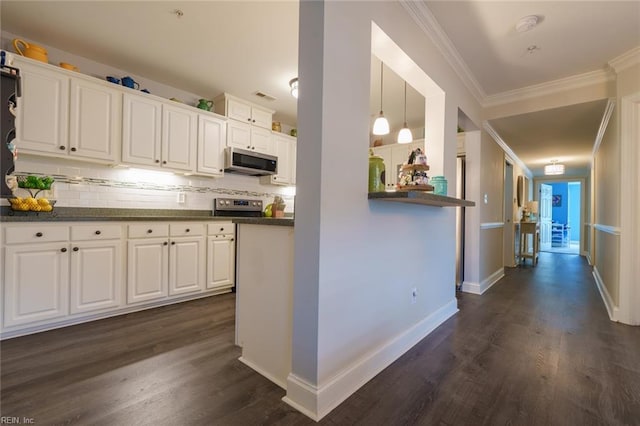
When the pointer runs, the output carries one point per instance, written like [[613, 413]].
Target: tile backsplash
[[80, 184]]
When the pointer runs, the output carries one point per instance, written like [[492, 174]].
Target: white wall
[[357, 261]]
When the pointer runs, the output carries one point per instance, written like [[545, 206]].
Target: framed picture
[[520, 191], [556, 200]]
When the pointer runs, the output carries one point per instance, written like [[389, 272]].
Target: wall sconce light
[[554, 168], [381, 125], [293, 84]]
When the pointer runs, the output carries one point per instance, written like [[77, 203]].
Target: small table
[[529, 229]]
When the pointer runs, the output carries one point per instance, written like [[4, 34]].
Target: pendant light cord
[[381, 78], [405, 102]]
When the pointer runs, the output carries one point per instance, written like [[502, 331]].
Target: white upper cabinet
[[65, 116], [243, 111], [262, 141], [157, 134], [212, 133], [284, 148], [43, 110], [95, 121], [141, 129], [179, 138]]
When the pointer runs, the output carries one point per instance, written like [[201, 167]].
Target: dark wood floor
[[537, 348]]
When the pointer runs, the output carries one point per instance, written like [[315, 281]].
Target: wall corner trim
[[626, 60], [612, 309], [613, 230], [608, 110], [496, 137], [486, 284], [318, 401], [491, 225], [422, 16]]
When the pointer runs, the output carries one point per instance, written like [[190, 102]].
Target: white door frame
[[629, 306], [509, 253], [583, 204]]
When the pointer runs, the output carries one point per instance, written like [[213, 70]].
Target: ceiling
[[242, 47]]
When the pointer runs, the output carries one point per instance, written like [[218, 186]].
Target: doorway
[[561, 216], [509, 239]]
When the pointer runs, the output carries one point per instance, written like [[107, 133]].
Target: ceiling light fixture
[[293, 84], [404, 135], [527, 23], [381, 125], [554, 168]]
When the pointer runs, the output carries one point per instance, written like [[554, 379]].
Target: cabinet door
[[141, 129], [96, 275], [147, 269], [262, 141], [261, 118], [238, 135], [36, 283], [42, 121], [179, 141], [221, 261], [212, 135], [239, 111], [283, 152], [294, 159], [95, 121], [186, 265]]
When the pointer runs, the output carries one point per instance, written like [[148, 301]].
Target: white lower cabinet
[[96, 275], [186, 258], [147, 265], [221, 263], [36, 283], [73, 272]]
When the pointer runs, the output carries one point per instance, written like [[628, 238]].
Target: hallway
[[537, 348]]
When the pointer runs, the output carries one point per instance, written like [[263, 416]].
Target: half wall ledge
[[417, 197]]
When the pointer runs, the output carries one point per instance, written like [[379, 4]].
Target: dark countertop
[[280, 221], [82, 214]]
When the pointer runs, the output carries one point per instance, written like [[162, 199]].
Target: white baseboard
[[471, 287], [612, 309], [479, 288], [269, 376], [318, 401], [587, 256]]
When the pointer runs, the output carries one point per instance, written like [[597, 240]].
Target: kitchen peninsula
[[101, 262]]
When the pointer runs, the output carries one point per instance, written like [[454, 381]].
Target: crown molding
[[611, 103], [549, 87], [421, 14], [626, 60], [496, 137]]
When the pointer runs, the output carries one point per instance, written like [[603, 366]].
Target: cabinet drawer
[[186, 229], [95, 232], [149, 230], [221, 228], [36, 234]]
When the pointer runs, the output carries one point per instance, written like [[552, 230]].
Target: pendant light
[[381, 125], [293, 84], [404, 135], [554, 168]]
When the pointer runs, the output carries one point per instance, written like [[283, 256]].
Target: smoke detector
[[527, 23]]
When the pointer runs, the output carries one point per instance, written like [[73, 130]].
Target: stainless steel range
[[238, 207]]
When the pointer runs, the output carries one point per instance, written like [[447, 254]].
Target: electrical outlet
[[414, 295], [182, 198]]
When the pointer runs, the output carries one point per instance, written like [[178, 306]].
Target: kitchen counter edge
[[71, 214]]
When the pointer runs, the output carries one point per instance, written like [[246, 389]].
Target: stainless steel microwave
[[249, 162]]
